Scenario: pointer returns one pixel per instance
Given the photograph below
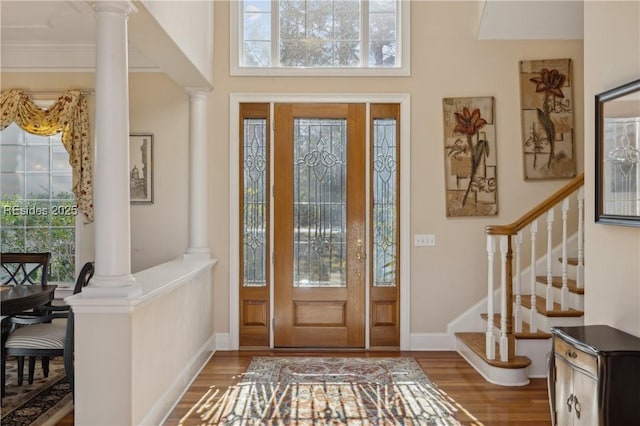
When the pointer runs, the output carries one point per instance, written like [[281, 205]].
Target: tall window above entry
[[320, 37]]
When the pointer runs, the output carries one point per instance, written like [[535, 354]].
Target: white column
[[198, 178], [111, 163]]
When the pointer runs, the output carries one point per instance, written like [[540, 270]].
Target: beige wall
[[612, 253], [159, 231], [447, 61]]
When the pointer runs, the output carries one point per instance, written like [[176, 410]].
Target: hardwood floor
[[478, 402]]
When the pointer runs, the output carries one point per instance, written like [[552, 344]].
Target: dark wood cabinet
[[594, 376]]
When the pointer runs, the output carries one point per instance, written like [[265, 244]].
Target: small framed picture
[[141, 168]]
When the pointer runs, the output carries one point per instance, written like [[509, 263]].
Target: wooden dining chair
[[17, 269], [24, 268], [40, 337]]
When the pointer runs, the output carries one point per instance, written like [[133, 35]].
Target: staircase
[[523, 303]]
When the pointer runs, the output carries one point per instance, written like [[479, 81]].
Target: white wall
[[159, 231], [135, 357], [612, 253], [190, 25]]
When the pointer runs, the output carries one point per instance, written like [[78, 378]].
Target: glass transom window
[[320, 37]]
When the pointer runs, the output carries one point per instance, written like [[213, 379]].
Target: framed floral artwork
[[546, 100], [470, 156]]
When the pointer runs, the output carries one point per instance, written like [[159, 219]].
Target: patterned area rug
[[44, 402], [333, 391]]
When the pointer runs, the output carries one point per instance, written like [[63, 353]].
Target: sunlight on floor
[[337, 403]]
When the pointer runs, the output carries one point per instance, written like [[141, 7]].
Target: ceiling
[[531, 20], [60, 35], [53, 35]]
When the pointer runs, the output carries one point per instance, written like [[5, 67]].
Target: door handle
[[577, 406], [361, 254]]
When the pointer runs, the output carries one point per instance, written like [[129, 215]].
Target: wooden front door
[[319, 225]]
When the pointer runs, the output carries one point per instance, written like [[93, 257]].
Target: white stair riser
[[537, 350], [544, 323], [556, 271], [498, 376], [576, 301]]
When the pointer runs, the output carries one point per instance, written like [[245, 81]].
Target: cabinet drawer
[[576, 357]]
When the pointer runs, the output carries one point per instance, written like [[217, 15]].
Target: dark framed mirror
[[618, 155]]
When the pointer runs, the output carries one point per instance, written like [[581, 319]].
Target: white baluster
[[564, 293], [490, 339], [580, 267], [504, 341], [533, 317], [549, 295], [517, 312]]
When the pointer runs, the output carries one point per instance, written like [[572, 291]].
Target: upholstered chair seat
[[38, 336]]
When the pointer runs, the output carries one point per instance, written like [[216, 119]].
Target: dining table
[[20, 298]]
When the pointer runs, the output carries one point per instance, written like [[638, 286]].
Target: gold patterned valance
[[69, 115]]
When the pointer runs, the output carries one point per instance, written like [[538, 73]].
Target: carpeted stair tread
[[526, 333], [477, 343], [572, 285], [541, 308]]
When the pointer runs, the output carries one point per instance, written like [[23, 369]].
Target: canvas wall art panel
[[470, 156], [546, 99]]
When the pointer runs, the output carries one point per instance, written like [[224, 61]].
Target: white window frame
[[403, 53], [404, 100], [77, 227]]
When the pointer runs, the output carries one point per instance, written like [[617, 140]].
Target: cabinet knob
[[571, 354], [570, 402]]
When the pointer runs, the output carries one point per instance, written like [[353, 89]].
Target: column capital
[[198, 92], [125, 7]]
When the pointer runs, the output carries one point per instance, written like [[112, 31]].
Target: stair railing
[[504, 238]]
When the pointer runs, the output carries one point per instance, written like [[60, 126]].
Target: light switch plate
[[424, 240]]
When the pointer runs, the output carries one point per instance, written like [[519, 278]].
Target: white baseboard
[[222, 342], [432, 342], [170, 398]]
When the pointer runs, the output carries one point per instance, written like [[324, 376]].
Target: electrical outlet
[[425, 240]]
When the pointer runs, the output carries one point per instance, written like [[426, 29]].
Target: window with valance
[[69, 116]]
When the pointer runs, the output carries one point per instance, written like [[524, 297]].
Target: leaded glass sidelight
[[385, 202], [254, 214], [622, 166], [319, 210]]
